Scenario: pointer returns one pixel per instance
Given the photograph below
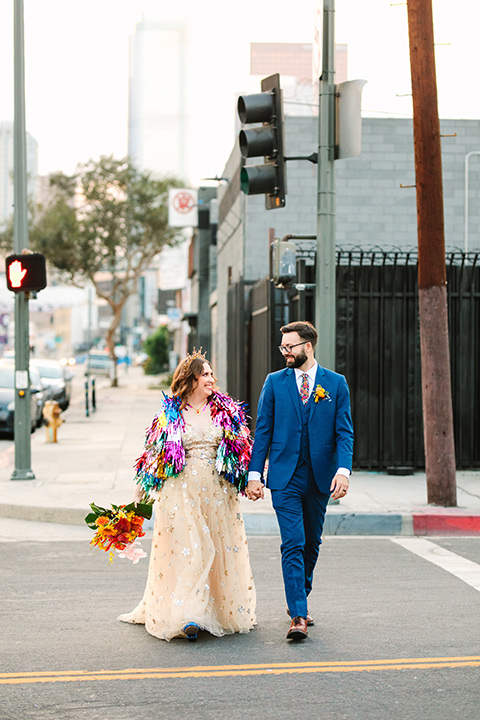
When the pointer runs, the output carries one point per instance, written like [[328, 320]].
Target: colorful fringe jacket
[[164, 454]]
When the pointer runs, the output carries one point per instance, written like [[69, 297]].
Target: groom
[[305, 426]]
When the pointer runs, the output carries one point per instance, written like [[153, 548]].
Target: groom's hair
[[304, 328]]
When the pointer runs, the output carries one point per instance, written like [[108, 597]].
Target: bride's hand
[[138, 494]]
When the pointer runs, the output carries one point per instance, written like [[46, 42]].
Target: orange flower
[[102, 520], [321, 394]]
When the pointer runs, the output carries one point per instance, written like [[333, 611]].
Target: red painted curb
[[445, 524]]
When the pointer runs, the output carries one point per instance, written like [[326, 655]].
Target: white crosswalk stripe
[[457, 565]]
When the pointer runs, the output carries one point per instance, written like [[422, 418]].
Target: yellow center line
[[239, 670]]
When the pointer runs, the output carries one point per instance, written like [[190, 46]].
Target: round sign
[[183, 202]]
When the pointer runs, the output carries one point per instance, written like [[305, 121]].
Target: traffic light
[[26, 272], [266, 140]]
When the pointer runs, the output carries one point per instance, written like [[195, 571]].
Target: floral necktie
[[304, 389]]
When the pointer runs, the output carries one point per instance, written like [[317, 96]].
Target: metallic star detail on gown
[[199, 569]]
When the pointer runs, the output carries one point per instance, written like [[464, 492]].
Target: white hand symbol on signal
[[16, 273]]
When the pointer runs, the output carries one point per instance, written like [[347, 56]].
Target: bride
[[196, 460]]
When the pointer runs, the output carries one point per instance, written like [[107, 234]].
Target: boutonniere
[[322, 394]]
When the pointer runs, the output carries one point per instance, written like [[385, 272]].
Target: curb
[[60, 516], [443, 521], [451, 522], [367, 524], [255, 523]]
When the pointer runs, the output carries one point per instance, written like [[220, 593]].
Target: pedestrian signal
[[26, 272], [284, 262]]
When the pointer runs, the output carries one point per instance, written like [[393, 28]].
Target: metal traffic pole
[[22, 421], [325, 296]]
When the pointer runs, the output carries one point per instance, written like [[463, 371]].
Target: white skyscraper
[[6, 169], [158, 92]]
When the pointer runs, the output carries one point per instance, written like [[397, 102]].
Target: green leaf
[[90, 520], [99, 510], [141, 509]]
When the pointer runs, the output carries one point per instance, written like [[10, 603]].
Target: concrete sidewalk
[[94, 456]]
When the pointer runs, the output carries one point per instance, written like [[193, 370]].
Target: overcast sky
[[77, 60]]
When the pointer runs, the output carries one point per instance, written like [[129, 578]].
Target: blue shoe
[[191, 631]]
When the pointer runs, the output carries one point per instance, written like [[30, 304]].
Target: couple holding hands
[[198, 456]]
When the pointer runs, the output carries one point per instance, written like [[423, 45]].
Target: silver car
[[99, 364], [57, 378]]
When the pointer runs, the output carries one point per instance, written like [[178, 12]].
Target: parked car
[[43, 393], [7, 400], [99, 364], [57, 377]]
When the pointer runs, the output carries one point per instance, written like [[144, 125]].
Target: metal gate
[[378, 350]]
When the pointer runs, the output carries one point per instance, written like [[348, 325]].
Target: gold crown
[[190, 358]]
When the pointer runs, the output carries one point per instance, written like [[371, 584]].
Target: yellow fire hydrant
[[51, 413]]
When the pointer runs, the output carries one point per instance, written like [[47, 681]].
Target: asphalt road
[[396, 636]]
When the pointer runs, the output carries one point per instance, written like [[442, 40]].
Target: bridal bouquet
[[118, 528]]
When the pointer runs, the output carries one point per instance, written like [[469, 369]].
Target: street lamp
[[467, 158]]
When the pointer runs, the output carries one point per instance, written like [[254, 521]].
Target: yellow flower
[[321, 394]]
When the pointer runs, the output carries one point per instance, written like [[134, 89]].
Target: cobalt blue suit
[[306, 444]]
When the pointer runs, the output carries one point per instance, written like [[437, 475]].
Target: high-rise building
[[158, 133], [158, 105], [6, 169]]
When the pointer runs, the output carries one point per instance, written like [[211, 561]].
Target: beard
[[296, 362]]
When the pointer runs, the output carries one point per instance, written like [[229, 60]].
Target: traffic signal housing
[[284, 262], [26, 272], [266, 140]]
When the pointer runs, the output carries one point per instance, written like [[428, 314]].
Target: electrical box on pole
[[265, 139]]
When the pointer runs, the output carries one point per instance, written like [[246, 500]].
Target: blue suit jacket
[[279, 428]]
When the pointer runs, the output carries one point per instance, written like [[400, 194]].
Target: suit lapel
[[293, 390]]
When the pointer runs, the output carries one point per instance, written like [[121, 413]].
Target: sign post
[[325, 296], [22, 421]]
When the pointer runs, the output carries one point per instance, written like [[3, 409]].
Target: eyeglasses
[[285, 349]]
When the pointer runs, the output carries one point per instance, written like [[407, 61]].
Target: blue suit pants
[[300, 508]]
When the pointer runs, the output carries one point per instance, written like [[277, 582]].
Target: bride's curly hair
[[186, 376]]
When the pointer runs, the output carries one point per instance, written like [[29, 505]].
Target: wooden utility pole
[[432, 281]]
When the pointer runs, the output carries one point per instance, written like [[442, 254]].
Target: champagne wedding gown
[[199, 568]]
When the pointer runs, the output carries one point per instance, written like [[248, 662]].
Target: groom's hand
[[255, 490], [339, 487]]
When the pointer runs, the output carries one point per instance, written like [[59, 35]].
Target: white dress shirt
[[253, 474]]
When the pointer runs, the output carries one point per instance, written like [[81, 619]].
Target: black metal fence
[[236, 341], [378, 350]]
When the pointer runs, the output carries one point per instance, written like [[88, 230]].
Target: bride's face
[[205, 381]]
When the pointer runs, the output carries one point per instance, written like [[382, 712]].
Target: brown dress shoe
[[298, 629], [310, 622]]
